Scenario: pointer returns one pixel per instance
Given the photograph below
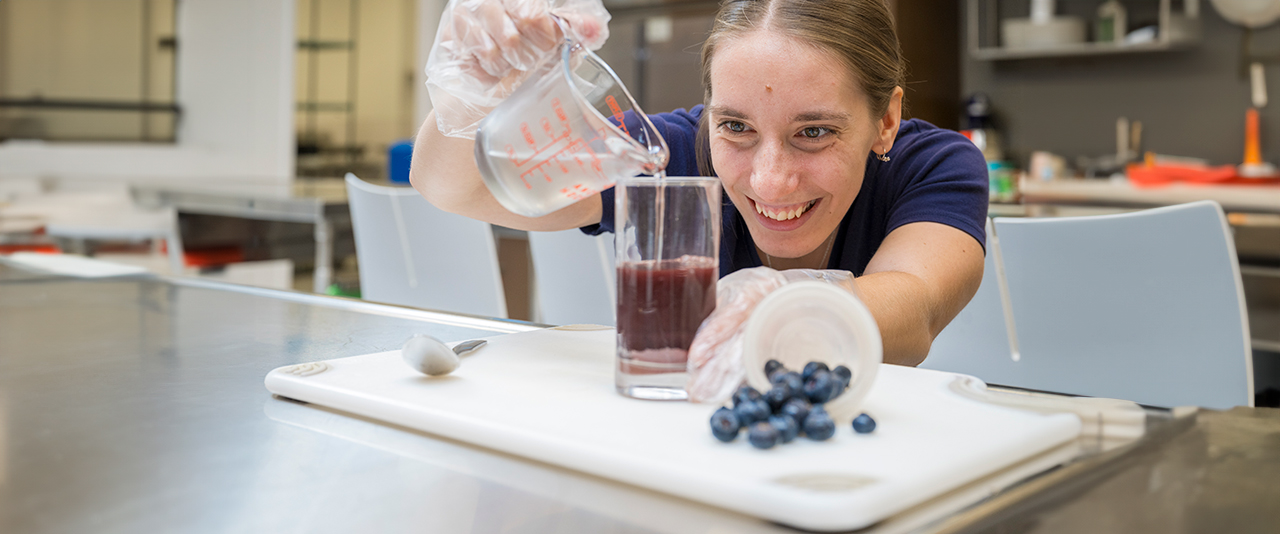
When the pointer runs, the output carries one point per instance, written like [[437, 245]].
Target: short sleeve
[[945, 181]]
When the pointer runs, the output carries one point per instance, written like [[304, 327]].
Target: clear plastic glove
[[715, 364], [485, 48], [843, 279]]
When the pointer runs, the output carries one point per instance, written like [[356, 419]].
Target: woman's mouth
[[785, 213]]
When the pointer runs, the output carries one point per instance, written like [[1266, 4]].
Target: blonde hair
[[858, 33]]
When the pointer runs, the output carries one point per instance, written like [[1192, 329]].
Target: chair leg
[[173, 241]]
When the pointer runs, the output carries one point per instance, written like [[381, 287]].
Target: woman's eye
[[814, 132], [734, 126]]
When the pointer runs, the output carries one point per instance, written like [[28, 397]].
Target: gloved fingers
[[715, 356], [485, 48], [715, 331], [588, 28], [537, 28], [716, 381], [490, 34]]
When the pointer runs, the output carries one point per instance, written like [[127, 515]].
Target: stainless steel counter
[[137, 405]]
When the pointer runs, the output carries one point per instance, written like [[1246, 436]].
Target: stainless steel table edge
[[378, 308], [1076, 476]]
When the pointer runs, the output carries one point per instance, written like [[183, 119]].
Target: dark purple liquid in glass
[[660, 307]]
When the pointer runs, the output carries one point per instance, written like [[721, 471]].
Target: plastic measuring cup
[[560, 136]]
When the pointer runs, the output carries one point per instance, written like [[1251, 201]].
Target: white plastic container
[[1024, 34], [815, 321]]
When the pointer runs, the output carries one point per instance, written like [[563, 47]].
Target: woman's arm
[[923, 274], [443, 169]]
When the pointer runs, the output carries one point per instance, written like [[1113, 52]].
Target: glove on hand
[[716, 368], [485, 48]]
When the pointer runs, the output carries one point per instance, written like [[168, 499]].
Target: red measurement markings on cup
[[617, 112], [573, 153], [577, 191], [555, 154]]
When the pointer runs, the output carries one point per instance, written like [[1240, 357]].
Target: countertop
[[136, 404]]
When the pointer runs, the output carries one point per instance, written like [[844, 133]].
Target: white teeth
[[784, 215]]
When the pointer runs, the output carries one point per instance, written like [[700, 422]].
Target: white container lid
[[810, 321]]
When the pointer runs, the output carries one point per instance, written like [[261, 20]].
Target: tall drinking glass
[[667, 244]]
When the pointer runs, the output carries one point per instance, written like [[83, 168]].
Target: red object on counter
[[1152, 174], [1148, 175], [32, 247], [213, 256]]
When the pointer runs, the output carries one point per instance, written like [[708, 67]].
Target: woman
[[802, 123]]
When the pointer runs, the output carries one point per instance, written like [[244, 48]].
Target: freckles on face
[[790, 133]]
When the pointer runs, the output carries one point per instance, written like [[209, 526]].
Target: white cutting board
[[548, 395]]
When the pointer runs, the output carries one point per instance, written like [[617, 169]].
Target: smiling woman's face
[[790, 133]]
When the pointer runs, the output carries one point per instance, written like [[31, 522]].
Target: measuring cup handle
[[564, 30]]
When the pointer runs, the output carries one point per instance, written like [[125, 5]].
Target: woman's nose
[[773, 172]]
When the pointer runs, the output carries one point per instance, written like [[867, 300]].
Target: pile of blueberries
[[793, 404]]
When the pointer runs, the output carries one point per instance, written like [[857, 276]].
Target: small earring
[[883, 157]]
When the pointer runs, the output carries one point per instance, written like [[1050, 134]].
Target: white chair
[[413, 254], [574, 277], [1144, 306], [981, 340]]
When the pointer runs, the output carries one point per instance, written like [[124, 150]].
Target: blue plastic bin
[[398, 161]]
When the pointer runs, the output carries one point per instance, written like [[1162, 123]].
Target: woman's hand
[[715, 357], [485, 48]]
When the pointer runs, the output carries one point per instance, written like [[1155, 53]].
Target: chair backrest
[[981, 340], [575, 280], [1144, 306], [413, 254]]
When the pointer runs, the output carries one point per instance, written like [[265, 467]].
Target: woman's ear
[[889, 123]]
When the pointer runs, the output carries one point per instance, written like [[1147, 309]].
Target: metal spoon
[[431, 356], [468, 346]]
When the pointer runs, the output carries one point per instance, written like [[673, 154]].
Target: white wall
[[235, 86], [428, 22]]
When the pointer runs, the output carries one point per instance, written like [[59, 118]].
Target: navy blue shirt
[[933, 175]]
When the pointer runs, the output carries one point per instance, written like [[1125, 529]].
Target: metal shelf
[[326, 45], [983, 27], [339, 107], [1081, 49]]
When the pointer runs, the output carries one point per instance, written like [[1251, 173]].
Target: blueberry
[[842, 376], [771, 367], [762, 410], [819, 426], [762, 435], [798, 408], [812, 367], [864, 424], [750, 412], [791, 379], [778, 396], [745, 393], [787, 427], [843, 373], [724, 425], [820, 387]]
